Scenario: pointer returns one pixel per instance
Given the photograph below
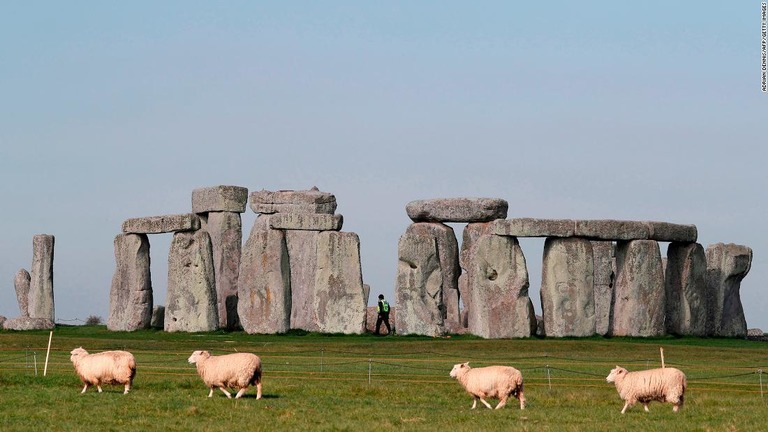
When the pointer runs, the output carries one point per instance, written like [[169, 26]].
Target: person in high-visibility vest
[[382, 308]]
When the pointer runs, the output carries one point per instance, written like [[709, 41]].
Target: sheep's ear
[[466, 364]]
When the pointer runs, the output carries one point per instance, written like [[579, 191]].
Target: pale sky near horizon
[[578, 110]]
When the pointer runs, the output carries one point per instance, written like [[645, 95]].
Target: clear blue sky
[[605, 110]]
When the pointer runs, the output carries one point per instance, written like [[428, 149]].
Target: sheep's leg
[[84, 389], [626, 405], [258, 390], [229, 396], [521, 397], [645, 407], [675, 407], [474, 403], [486, 403], [98, 387], [127, 388], [210, 393], [240, 392], [502, 402]]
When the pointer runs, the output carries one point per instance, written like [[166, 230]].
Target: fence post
[[322, 354], [369, 371], [549, 378], [760, 375], [34, 356]]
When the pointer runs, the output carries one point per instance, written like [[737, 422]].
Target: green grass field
[[330, 382]]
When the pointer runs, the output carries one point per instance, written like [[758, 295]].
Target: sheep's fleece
[[108, 367], [663, 384], [238, 370], [490, 382]]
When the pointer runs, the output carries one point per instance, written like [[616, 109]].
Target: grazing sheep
[[664, 385], [237, 370], [490, 382], [108, 367]]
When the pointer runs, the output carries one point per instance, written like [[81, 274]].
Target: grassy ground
[[326, 382]]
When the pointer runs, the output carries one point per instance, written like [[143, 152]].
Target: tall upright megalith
[[419, 289], [21, 283], [191, 300], [727, 265], [689, 299], [567, 287], [41, 304], [130, 296], [638, 306], [219, 208], [604, 274]]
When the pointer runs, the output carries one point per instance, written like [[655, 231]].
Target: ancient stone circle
[[298, 270]]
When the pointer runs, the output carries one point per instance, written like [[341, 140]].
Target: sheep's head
[[458, 368], [616, 372], [198, 355], [77, 352]]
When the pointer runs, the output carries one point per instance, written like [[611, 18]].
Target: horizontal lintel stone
[[292, 201], [162, 224], [219, 198], [460, 210], [530, 227], [601, 229], [306, 222]]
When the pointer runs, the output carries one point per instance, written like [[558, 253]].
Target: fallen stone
[[219, 199], [29, 323], [291, 201], [306, 221], [463, 210], [162, 224]]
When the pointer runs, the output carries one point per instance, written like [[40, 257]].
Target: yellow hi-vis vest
[[384, 306]]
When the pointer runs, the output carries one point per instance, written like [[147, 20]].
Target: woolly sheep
[[237, 370], [664, 385], [490, 382], [108, 367]]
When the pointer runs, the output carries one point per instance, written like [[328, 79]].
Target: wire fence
[[551, 372]]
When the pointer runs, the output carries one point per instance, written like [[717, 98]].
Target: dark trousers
[[385, 319]]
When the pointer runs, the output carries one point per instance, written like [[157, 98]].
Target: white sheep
[[237, 370], [108, 367], [490, 382], [663, 384]]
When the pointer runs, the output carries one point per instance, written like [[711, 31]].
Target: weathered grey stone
[[264, 290], [41, 304], [638, 306], [226, 232], [755, 332], [302, 257], [611, 229], [158, 317], [2, 321], [471, 233], [464, 210], [162, 224], [219, 199], [130, 297], [689, 300], [567, 287], [529, 227], [339, 284], [21, 283], [291, 201], [498, 279], [191, 302], [306, 221], [727, 265], [604, 273], [669, 232], [448, 256], [29, 323], [419, 290]]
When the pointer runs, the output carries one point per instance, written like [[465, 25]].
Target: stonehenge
[[298, 270]]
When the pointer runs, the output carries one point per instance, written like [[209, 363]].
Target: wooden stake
[[48, 353], [661, 349]]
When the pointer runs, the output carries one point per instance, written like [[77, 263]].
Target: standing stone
[[419, 290], [130, 297], [263, 287], [302, 258], [727, 265], [21, 283], [498, 279], [158, 317], [41, 278], [191, 303], [638, 306], [339, 284], [604, 271], [226, 232], [471, 233], [567, 287], [689, 300], [448, 256]]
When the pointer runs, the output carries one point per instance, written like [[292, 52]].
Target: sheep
[[238, 370], [108, 367], [663, 384], [490, 382]]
